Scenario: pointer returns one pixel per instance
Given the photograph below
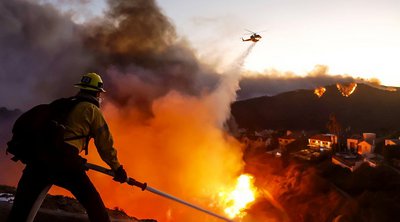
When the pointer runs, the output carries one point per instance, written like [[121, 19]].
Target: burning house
[[392, 142], [367, 145], [363, 145], [352, 143], [360, 149], [322, 141], [319, 147], [291, 141], [286, 140]]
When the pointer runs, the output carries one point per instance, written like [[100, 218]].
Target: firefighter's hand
[[120, 175]]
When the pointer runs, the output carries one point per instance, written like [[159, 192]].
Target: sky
[[306, 44], [360, 38]]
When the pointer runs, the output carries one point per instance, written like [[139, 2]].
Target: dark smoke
[[133, 46], [136, 39], [41, 53], [132, 32], [44, 53], [274, 82]]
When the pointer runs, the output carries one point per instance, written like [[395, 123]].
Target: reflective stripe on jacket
[[87, 119]]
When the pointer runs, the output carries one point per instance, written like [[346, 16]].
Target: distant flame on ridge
[[346, 90], [320, 91]]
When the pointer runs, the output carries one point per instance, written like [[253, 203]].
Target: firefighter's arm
[[103, 140]]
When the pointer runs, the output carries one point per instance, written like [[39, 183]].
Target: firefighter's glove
[[120, 175]]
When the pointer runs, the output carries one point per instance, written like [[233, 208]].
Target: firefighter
[[66, 168]]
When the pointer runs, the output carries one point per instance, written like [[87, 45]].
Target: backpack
[[40, 131]]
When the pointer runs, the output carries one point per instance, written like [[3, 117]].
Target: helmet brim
[[89, 87]]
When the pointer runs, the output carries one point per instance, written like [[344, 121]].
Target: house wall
[[337, 162], [334, 139], [327, 142], [352, 168], [365, 148], [392, 142], [389, 143], [320, 143], [352, 144]]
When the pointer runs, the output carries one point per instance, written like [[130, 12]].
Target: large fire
[[181, 151], [346, 90], [239, 199], [320, 91]]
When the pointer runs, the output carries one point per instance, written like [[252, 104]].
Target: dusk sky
[[360, 38]]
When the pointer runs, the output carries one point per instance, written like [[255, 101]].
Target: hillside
[[60, 208], [367, 109]]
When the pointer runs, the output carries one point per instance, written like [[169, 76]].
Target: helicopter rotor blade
[[263, 31], [250, 31]]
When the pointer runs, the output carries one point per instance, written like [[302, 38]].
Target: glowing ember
[[238, 200], [319, 91], [346, 90]]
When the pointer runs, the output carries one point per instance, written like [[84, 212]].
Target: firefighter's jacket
[[87, 119]]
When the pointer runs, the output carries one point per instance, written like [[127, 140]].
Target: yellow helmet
[[91, 81]]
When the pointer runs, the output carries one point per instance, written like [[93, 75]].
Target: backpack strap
[[87, 139], [78, 99], [75, 138]]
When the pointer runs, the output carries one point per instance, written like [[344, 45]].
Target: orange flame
[[346, 90], [319, 91], [240, 198], [181, 151]]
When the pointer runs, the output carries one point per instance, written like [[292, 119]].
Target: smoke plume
[[164, 108], [181, 150], [273, 82], [44, 53], [41, 53]]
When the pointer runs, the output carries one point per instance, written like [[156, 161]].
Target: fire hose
[[144, 186]]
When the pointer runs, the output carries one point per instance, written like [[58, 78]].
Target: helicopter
[[254, 37]]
